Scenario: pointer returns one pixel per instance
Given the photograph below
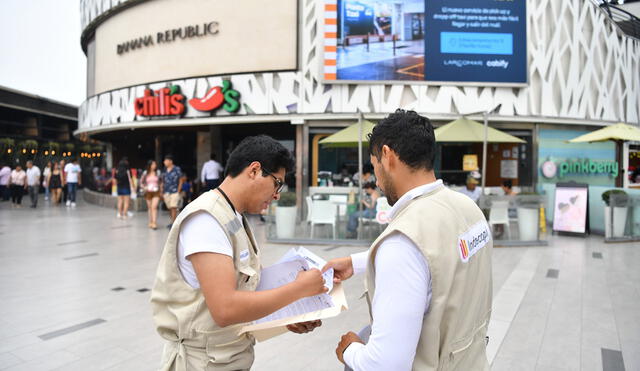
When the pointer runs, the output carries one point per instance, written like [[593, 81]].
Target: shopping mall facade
[[190, 78]]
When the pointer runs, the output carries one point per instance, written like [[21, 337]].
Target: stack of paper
[[306, 309]]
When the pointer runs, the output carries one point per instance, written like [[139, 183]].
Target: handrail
[[627, 22]]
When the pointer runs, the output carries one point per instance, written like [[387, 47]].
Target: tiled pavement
[[73, 292]]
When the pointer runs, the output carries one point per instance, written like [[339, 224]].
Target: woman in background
[[54, 183], [124, 185], [150, 182]]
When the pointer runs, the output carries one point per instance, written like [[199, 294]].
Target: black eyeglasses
[[279, 183]]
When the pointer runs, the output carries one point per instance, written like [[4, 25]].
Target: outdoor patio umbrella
[[466, 130], [348, 137], [618, 133]]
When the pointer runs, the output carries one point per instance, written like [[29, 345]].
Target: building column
[[203, 149]]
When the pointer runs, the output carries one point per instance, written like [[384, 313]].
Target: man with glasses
[[210, 267]]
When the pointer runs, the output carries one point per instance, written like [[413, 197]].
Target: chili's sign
[[170, 101]]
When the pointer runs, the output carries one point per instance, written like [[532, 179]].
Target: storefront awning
[[348, 137], [465, 130], [620, 131]]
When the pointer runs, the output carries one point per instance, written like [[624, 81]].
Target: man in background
[[33, 183], [210, 174], [172, 180], [5, 173], [72, 175], [471, 189]]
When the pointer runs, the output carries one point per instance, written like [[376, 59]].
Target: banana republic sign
[[169, 36]]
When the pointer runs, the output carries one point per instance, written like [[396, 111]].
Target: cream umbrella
[[466, 130]]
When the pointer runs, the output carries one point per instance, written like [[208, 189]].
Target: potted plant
[[286, 212], [619, 203], [528, 208]]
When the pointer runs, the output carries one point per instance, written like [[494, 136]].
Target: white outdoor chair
[[341, 201], [309, 204], [499, 214], [381, 204], [323, 212]]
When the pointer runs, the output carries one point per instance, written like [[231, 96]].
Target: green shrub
[[621, 201], [287, 199]]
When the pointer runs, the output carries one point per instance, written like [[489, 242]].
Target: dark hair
[[262, 148], [212, 156], [409, 135], [123, 167], [507, 183], [369, 185], [148, 168], [367, 168], [169, 157]]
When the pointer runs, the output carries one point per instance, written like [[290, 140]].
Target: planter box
[[528, 219], [286, 221], [619, 221]]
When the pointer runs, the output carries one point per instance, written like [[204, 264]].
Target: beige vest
[[455, 326], [195, 341]]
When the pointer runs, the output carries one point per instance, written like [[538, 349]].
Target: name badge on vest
[[244, 255], [474, 239]]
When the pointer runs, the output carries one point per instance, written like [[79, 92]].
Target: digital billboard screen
[[438, 41]]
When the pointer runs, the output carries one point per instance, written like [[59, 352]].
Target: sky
[[40, 50]]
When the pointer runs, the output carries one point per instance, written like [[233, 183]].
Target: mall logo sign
[[218, 96], [580, 167], [168, 36], [162, 102]]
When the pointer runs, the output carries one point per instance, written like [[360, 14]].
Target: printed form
[[306, 309]]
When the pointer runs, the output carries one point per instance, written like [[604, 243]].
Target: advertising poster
[[440, 41], [570, 208], [380, 40]]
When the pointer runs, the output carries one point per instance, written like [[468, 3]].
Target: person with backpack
[[124, 185]]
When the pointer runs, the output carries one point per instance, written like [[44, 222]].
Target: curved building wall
[[581, 69]]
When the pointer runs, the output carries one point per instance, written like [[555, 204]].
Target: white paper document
[[306, 309], [280, 274]]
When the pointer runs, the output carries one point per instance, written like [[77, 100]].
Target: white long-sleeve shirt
[[402, 297], [211, 170]]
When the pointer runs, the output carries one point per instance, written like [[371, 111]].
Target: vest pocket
[[249, 278], [226, 348]]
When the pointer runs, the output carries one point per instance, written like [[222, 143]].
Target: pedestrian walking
[[428, 275], [210, 267], [172, 180], [54, 181], [65, 190], [150, 182], [210, 174], [124, 186], [18, 184], [33, 183], [73, 178], [45, 176], [5, 174]]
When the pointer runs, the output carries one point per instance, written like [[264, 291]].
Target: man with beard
[[210, 267], [428, 275]]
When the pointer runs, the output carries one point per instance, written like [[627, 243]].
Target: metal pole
[[359, 169], [484, 149]]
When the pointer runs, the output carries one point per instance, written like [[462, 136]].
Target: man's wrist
[[348, 354]]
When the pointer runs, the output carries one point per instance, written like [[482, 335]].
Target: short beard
[[388, 188]]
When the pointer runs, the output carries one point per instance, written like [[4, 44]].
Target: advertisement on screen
[[437, 41]]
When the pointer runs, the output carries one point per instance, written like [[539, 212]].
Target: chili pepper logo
[[218, 96]]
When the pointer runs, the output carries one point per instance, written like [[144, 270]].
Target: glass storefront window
[[516, 220]]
